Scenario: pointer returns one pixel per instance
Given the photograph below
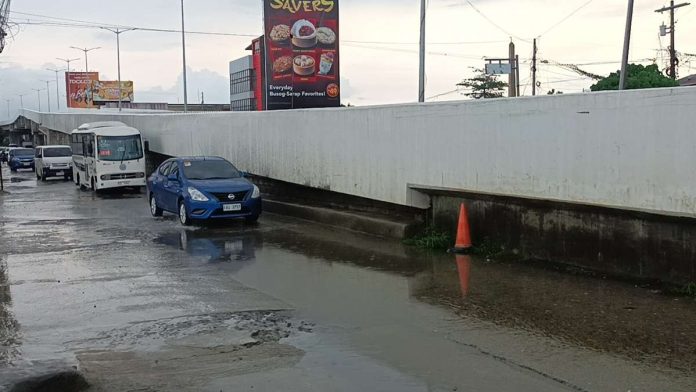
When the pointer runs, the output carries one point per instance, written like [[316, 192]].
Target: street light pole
[[21, 101], [183, 51], [57, 87], [8, 108], [627, 46], [38, 95], [68, 61], [421, 68], [48, 94], [118, 33], [86, 50]]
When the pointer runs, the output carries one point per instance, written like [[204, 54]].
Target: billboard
[[301, 54], [107, 91], [78, 86]]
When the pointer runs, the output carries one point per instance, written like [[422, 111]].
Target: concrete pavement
[[93, 283]]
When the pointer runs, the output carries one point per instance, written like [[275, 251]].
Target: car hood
[[23, 156], [231, 185]]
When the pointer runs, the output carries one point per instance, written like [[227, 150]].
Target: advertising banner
[[107, 91], [301, 53], [78, 86]]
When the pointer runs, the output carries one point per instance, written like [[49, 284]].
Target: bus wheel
[[94, 186]]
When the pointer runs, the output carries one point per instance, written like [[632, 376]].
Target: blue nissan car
[[20, 158], [202, 188]]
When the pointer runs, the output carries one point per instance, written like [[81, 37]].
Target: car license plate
[[60, 173], [123, 183], [231, 207], [25, 163]]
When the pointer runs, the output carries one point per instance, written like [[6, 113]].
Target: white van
[[53, 161]]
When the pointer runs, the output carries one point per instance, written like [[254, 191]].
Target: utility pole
[[48, 94], [21, 101], [512, 82], [421, 69], [534, 67], [86, 50], [673, 60], [8, 108], [118, 33], [183, 51], [56, 70], [627, 47], [38, 95]]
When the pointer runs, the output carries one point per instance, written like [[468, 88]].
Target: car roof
[[199, 158], [101, 124], [55, 146]]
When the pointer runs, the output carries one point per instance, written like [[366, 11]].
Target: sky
[[379, 45]]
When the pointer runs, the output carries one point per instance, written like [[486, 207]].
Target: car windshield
[[58, 152], [120, 148], [22, 152], [210, 170]]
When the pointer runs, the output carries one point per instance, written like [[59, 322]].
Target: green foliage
[[688, 290], [483, 85], [639, 77], [431, 238]]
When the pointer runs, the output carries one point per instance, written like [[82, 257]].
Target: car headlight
[[256, 193], [196, 195]]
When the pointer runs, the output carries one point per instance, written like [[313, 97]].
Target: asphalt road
[[141, 304]]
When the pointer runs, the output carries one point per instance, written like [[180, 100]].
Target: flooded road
[[135, 303]]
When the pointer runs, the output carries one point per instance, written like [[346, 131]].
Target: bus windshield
[[119, 148]]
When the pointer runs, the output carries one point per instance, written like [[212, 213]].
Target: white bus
[[107, 155]]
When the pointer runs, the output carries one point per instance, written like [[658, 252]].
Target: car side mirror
[[244, 174]]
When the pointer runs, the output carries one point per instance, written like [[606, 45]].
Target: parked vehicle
[[53, 161], [107, 155], [21, 158], [202, 188]]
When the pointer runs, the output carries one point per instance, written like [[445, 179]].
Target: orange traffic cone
[[463, 243], [464, 271]]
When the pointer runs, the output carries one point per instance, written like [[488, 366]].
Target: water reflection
[[599, 314], [215, 246], [9, 328]]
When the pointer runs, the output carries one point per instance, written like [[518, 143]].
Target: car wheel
[[43, 176], [154, 209], [183, 214], [93, 185], [13, 170]]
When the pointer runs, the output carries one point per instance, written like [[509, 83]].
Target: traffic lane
[[128, 291], [105, 284]]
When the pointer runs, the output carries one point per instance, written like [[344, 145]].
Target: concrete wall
[[629, 150]]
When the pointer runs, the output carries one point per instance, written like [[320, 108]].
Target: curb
[[344, 220]]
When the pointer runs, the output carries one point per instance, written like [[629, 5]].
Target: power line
[[489, 20], [575, 11]]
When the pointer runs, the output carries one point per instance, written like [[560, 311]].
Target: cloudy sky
[[379, 59]]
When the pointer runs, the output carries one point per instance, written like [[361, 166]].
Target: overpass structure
[[603, 176]]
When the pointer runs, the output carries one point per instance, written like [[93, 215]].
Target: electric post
[[673, 60], [534, 67], [421, 69]]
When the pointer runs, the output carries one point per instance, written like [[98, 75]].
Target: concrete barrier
[[630, 150]]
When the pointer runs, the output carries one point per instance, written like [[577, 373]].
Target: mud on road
[[93, 284]]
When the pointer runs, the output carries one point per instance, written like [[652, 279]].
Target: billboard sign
[[301, 54], [78, 86], [107, 91]]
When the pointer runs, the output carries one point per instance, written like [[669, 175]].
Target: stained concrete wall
[[628, 150]]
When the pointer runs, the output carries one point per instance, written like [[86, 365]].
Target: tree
[[639, 76], [554, 92], [483, 85]]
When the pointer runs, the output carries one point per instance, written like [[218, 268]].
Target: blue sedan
[[202, 188], [21, 158]]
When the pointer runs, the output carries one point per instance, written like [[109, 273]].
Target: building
[[688, 81], [246, 80]]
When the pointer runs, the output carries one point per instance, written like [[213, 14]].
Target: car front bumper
[[214, 209]]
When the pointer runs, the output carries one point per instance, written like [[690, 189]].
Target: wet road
[[138, 303]]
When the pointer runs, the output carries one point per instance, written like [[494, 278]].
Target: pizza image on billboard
[[301, 51]]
